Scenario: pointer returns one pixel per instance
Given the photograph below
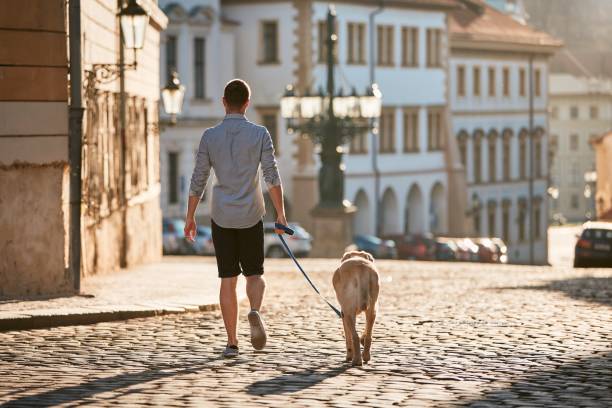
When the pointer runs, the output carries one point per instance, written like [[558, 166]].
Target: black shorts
[[239, 250]]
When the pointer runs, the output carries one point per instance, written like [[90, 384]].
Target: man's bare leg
[[255, 288], [229, 308]]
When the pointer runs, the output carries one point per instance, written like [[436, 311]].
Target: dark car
[[377, 247], [446, 249], [421, 247], [594, 245]]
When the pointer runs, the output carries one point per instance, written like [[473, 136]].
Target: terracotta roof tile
[[477, 21]]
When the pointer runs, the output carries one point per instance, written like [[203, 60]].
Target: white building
[[489, 96], [581, 111], [199, 45], [280, 43]]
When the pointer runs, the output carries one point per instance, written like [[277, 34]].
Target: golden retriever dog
[[356, 285]]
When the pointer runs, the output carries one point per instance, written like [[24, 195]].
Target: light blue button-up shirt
[[235, 149]]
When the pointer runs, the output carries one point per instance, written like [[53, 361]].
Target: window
[[522, 221], [491, 218], [387, 130], [476, 81], [573, 142], [411, 130], [522, 82], [359, 143], [461, 80], [523, 155], [463, 148], [323, 42], [574, 175], [199, 68], [478, 157], [269, 118], [594, 112], [434, 47], [537, 152], [492, 156], [506, 74], [269, 32], [356, 43], [507, 137], [385, 45], [170, 55], [506, 223], [537, 215], [435, 128], [173, 178], [491, 81], [537, 79], [410, 46], [554, 112], [575, 202], [574, 112]]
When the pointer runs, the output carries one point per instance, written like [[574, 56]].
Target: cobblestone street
[[446, 334]]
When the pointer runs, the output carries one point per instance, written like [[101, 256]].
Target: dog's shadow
[[295, 381]]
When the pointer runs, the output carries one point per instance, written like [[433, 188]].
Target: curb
[[44, 319]]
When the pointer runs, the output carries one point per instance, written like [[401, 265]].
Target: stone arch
[[415, 213], [390, 213], [362, 222], [438, 210]]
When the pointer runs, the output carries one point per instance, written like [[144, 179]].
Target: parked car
[[173, 238], [380, 249], [300, 242], [594, 245], [203, 244], [467, 250], [502, 250], [421, 247], [487, 250], [446, 249]]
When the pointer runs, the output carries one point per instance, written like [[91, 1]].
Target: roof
[[477, 25], [597, 225], [423, 4]]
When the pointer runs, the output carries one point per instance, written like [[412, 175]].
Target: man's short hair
[[236, 93]]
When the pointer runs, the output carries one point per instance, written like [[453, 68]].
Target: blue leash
[[289, 231]]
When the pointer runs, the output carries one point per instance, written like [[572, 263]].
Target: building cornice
[[461, 42], [156, 15]]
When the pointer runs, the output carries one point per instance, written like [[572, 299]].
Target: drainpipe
[[75, 130], [374, 137], [531, 162]]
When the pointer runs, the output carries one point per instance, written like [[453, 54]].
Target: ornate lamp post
[[331, 119]]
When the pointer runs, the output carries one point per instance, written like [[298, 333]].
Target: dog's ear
[[367, 256]]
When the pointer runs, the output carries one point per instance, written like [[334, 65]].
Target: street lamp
[[134, 22], [172, 97], [331, 120]]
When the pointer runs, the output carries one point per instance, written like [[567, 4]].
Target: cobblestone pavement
[[447, 334]]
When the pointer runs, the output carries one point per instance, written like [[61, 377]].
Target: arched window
[[537, 146], [523, 154], [506, 206], [537, 217], [491, 215], [462, 140], [507, 139], [478, 156], [522, 219], [492, 151]]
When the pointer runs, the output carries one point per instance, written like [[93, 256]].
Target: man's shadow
[[295, 381]]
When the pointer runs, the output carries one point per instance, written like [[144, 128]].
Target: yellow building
[[603, 157], [120, 222]]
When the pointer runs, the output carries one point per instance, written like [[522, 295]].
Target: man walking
[[236, 149]]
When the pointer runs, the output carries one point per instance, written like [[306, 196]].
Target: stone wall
[[34, 230]]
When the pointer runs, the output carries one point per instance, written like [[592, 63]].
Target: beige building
[[121, 220], [603, 197], [581, 111]]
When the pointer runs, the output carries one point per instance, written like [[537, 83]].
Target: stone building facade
[[489, 97], [603, 197], [121, 218]]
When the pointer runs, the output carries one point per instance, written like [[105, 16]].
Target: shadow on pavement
[[78, 393], [590, 289], [294, 382], [579, 384]]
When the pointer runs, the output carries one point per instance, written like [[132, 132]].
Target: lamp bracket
[[104, 73]]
